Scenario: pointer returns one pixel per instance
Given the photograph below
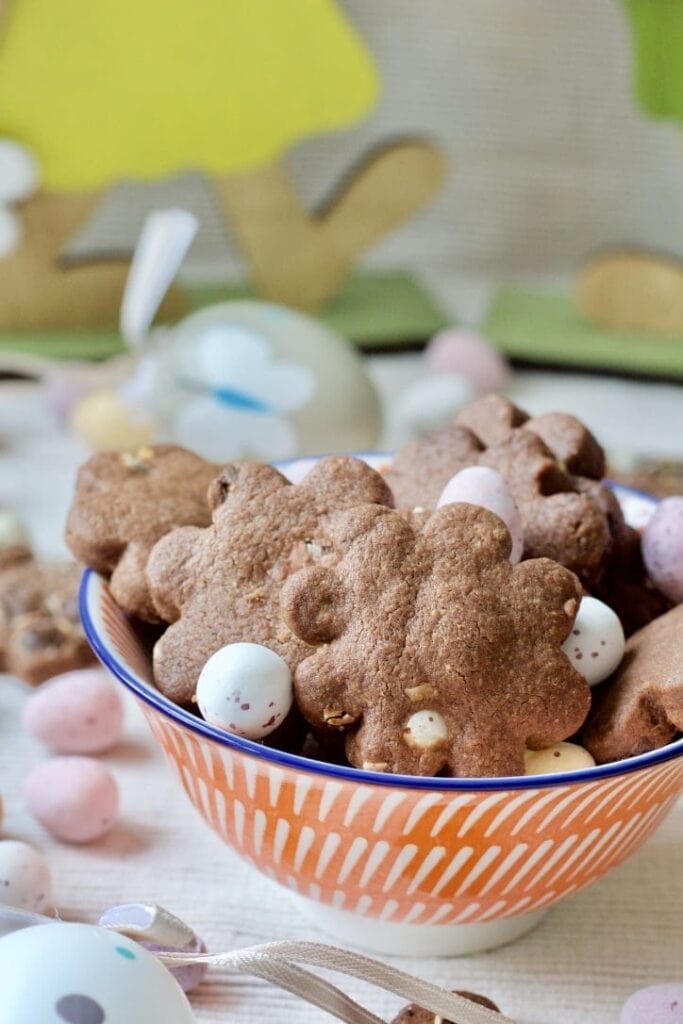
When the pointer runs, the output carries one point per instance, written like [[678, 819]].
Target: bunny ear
[[13, 920], [166, 236]]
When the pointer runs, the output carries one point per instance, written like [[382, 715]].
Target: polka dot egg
[[658, 1004], [25, 881], [245, 689], [75, 798], [663, 548], [563, 757], [78, 712], [596, 643], [86, 975]]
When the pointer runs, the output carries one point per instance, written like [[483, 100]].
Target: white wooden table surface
[[625, 932]]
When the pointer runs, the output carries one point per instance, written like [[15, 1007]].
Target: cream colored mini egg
[[596, 643], [25, 881], [425, 730], [563, 757]]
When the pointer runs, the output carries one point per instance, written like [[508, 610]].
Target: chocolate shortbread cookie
[[414, 1014], [641, 707], [222, 584], [124, 503], [40, 629], [552, 465], [435, 652]]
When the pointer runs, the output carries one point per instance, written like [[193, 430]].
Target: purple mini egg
[[663, 548], [468, 354], [79, 712], [658, 1004]]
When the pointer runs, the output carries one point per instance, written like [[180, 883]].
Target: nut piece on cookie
[[435, 652], [414, 1014], [641, 708], [124, 502], [222, 584], [40, 629]]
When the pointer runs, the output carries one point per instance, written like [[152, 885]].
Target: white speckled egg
[[81, 974], [246, 689], [75, 798], [563, 757], [25, 880], [480, 485], [79, 712], [425, 730], [596, 643], [657, 1004], [663, 548]]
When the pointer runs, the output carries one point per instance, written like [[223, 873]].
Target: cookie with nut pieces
[[641, 707], [124, 502], [551, 463], [40, 628], [222, 584], [435, 653]]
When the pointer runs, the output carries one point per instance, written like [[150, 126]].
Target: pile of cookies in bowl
[[477, 606]]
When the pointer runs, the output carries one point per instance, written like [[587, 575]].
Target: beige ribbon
[[278, 963]]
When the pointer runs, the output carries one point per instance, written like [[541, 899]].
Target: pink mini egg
[[663, 548], [479, 485], [79, 712], [75, 798], [658, 1004], [25, 881], [457, 350]]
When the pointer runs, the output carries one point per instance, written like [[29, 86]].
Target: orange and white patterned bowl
[[398, 864]]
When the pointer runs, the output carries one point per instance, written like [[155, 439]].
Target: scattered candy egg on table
[[461, 351], [12, 530], [480, 485], [79, 712], [658, 1004], [25, 881], [596, 643], [246, 689], [662, 546], [82, 974], [563, 757], [75, 798], [159, 931]]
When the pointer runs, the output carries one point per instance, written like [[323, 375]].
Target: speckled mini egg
[[663, 548], [158, 930], [75, 798], [25, 881], [79, 712], [246, 689], [658, 1004], [480, 485], [81, 974], [462, 351], [563, 757], [596, 643]]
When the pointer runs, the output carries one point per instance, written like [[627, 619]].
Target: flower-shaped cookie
[[124, 502], [641, 708], [435, 651], [222, 584], [569, 518]]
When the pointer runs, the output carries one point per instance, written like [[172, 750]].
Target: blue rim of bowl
[[282, 758]]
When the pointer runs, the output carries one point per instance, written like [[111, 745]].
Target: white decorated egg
[[79, 712], [596, 643], [25, 881], [563, 757], [663, 548], [75, 798], [81, 974], [480, 485], [246, 689], [425, 730]]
